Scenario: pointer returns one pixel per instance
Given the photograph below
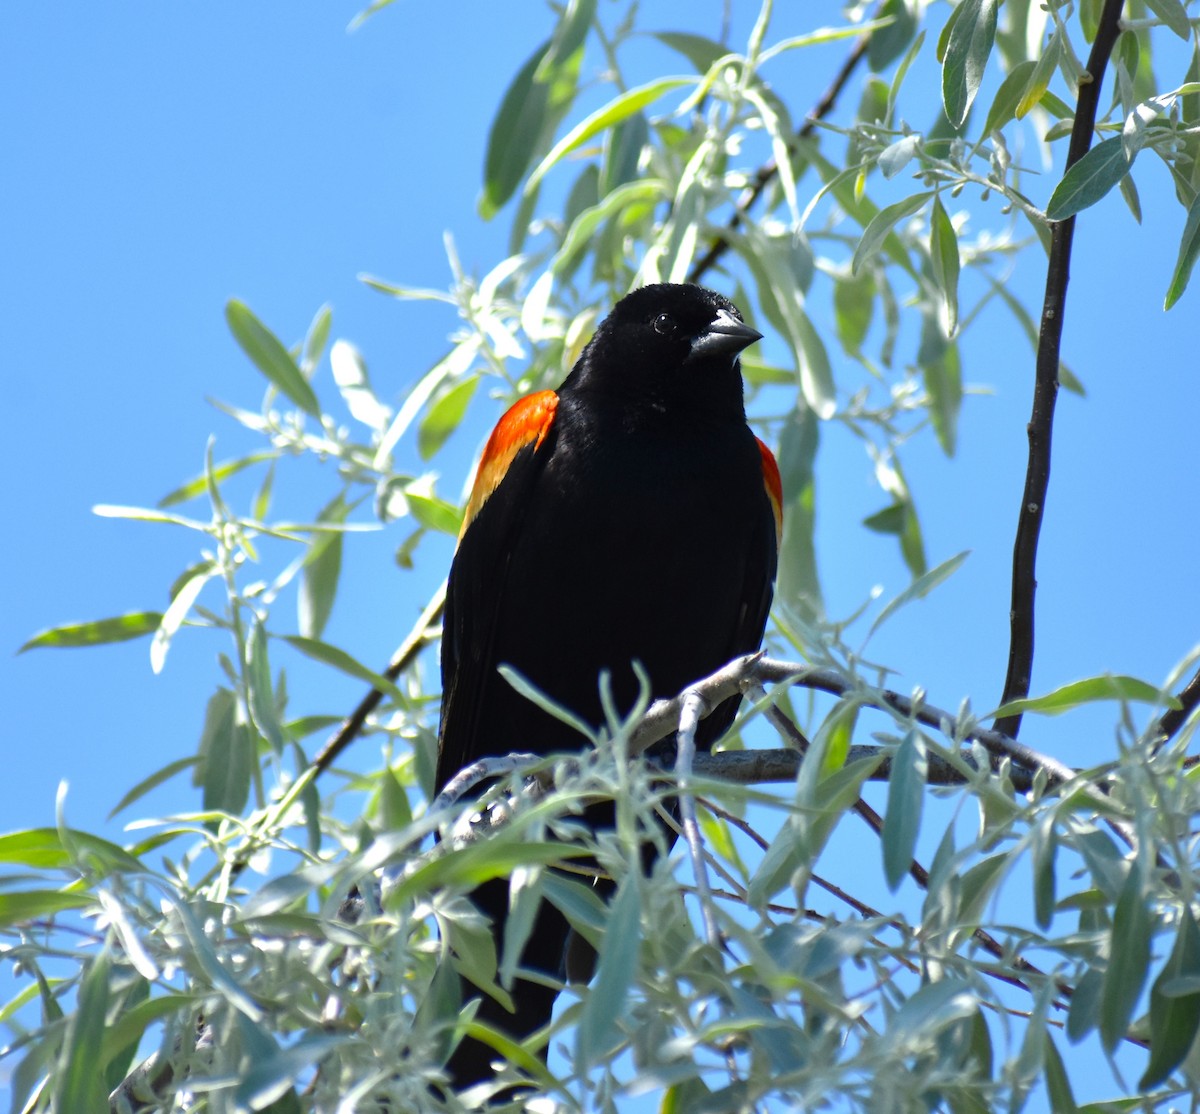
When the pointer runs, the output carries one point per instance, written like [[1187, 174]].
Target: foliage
[[217, 962]]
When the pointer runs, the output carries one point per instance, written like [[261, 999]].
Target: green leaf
[[79, 1082], [1084, 1012], [881, 225], [1189, 249], [1128, 959], [445, 416], [339, 659], [270, 1077], [886, 44], [941, 367], [261, 691], [853, 307], [1174, 15], [152, 782], [532, 106], [921, 587], [1058, 1082], [967, 51], [698, 50], [317, 336], [174, 616], [321, 572], [198, 485], [605, 1002], [269, 355], [799, 582], [1039, 79], [434, 513], [1008, 96], [619, 108], [228, 749], [943, 252], [906, 796], [27, 905], [568, 36], [120, 628], [1107, 686], [1174, 1020], [1089, 179], [43, 848]]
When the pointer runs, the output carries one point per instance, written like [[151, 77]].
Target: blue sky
[[162, 159]]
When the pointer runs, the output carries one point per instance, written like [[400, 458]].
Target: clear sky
[[161, 159]]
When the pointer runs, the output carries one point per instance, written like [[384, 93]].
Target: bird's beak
[[726, 336]]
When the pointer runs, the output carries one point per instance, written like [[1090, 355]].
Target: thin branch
[[760, 767], [767, 172], [426, 630], [1045, 391], [1173, 719]]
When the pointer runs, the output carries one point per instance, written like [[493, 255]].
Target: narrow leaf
[[1128, 960], [967, 51], [339, 659], [269, 355], [120, 628], [1189, 249], [1174, 1020], [943, 252], [1089, 179], [603, 1006], [174, 616], [906, 796], [881, 225], [445, 416], [634, 100], [1108, 686], [261, 695], [921, 587]]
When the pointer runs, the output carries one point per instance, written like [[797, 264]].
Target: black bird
[[629, 515]]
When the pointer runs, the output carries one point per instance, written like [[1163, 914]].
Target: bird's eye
[[664, 323]]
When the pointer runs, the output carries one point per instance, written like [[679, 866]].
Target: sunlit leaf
[[269, 355], [120, 628], [1108, 686], [1189, 249], [967, 50]]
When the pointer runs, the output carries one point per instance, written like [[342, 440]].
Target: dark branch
[[1173, 719], [426, 630], [1045, 391]]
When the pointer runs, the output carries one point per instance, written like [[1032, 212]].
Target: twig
[[1174, 718], [1045, 391], [425, 630], [769, 169]]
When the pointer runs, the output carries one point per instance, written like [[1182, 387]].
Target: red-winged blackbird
[[629, 515]]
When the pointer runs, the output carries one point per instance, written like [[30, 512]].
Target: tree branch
[[1045, 390], [427, 629]]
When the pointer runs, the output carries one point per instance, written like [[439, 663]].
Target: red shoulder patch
[[526, 422], [774, 486]]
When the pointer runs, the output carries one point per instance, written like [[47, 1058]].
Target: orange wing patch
[[774, 486], [526, 422]]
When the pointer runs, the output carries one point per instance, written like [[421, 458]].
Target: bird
[[630, 515]]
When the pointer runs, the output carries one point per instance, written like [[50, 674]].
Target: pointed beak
[[726, 336]]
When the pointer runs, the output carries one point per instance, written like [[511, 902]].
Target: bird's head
[[674, 344]]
